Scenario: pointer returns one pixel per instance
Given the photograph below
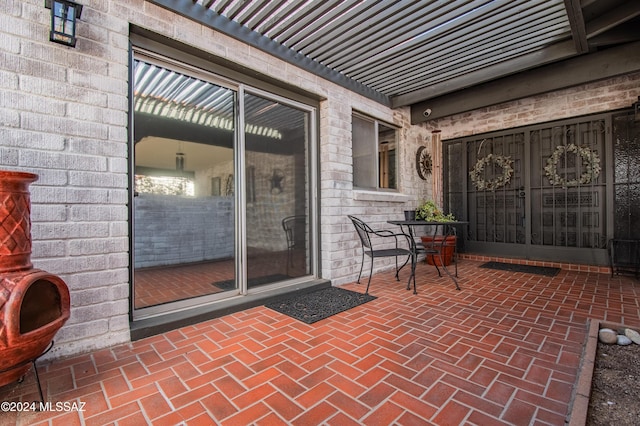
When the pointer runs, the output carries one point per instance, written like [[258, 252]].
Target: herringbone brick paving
[[504, 350]]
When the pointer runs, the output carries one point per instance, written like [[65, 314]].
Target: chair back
[[295, 230], [363, 231]]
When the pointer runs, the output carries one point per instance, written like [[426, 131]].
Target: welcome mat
[[319, 304], [528, 269], [267, 279]]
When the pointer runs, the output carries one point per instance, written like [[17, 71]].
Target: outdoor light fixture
[[63, 21], [636, 109]]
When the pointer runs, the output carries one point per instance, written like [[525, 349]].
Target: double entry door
[[221, 180], [543, 192]]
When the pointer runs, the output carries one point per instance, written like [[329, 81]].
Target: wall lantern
[[63, 21], [636, 110]]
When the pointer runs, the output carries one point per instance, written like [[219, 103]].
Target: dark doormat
[[528, 269], [319, 304], [267, 279]]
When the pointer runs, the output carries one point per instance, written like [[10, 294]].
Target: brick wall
[[601, 96], [172, 230], [63, 116]]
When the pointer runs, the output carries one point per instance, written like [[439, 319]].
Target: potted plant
[[430, 212]]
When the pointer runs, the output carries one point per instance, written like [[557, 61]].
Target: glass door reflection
[[277, 195], [184, 204]]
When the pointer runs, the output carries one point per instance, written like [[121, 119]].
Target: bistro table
[[434, 249]]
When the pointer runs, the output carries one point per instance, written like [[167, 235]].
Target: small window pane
[[374, 154], [387, 157], [364, 153]]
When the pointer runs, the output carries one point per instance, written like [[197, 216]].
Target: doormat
[[319, 304], [528, 269], [267, 279]]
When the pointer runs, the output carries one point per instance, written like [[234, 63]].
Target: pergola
[[440, 57]]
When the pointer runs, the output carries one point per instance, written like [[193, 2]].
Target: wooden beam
[[576, 22], [580, 70], [613, 18], [556, 52], [624, 33]]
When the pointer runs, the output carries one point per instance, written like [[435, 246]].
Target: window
[[374, 154]]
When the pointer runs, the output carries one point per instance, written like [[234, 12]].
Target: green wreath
[[590, 164], [505, 163]]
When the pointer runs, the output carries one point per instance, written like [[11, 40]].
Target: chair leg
[[455, 261], [435, 263], [361, 266], [405, 263], [397, 270], [414, 262], [370, 275]]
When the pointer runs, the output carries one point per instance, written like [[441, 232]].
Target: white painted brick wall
[[63, 115]]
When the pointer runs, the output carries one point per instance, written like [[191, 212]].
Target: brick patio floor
[[504, 350]]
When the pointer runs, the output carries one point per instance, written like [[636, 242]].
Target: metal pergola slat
[[311, 19], [396, 20], [432, 44], [453, 59], [342, 24], [387, 45], [461, 40]]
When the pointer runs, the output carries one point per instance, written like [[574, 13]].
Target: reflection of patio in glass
[[158, 285]]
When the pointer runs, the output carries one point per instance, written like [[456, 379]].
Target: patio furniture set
[[375, 244]]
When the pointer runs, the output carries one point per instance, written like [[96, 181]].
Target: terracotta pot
[[15, 221], [436, 243]]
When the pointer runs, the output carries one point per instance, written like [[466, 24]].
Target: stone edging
[[579, 406]]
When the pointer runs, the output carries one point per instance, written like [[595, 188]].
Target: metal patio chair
[[295, 229], [373, 246]]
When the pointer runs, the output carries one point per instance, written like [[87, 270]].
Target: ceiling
[[413, 53]]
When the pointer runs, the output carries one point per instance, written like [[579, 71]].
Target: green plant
[[430, 212]]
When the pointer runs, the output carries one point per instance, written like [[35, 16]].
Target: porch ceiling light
[[63, 21]]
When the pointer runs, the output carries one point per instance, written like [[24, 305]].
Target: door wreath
[[505, 163], [590, 164]]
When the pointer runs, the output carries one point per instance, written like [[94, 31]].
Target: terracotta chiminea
[[34, 304]]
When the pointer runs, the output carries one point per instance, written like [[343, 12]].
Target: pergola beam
[[576, 21], [553, 53], [621, 14], [580, 70]]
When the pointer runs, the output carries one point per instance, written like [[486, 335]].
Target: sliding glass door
[[221, 188], [277, 196]]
